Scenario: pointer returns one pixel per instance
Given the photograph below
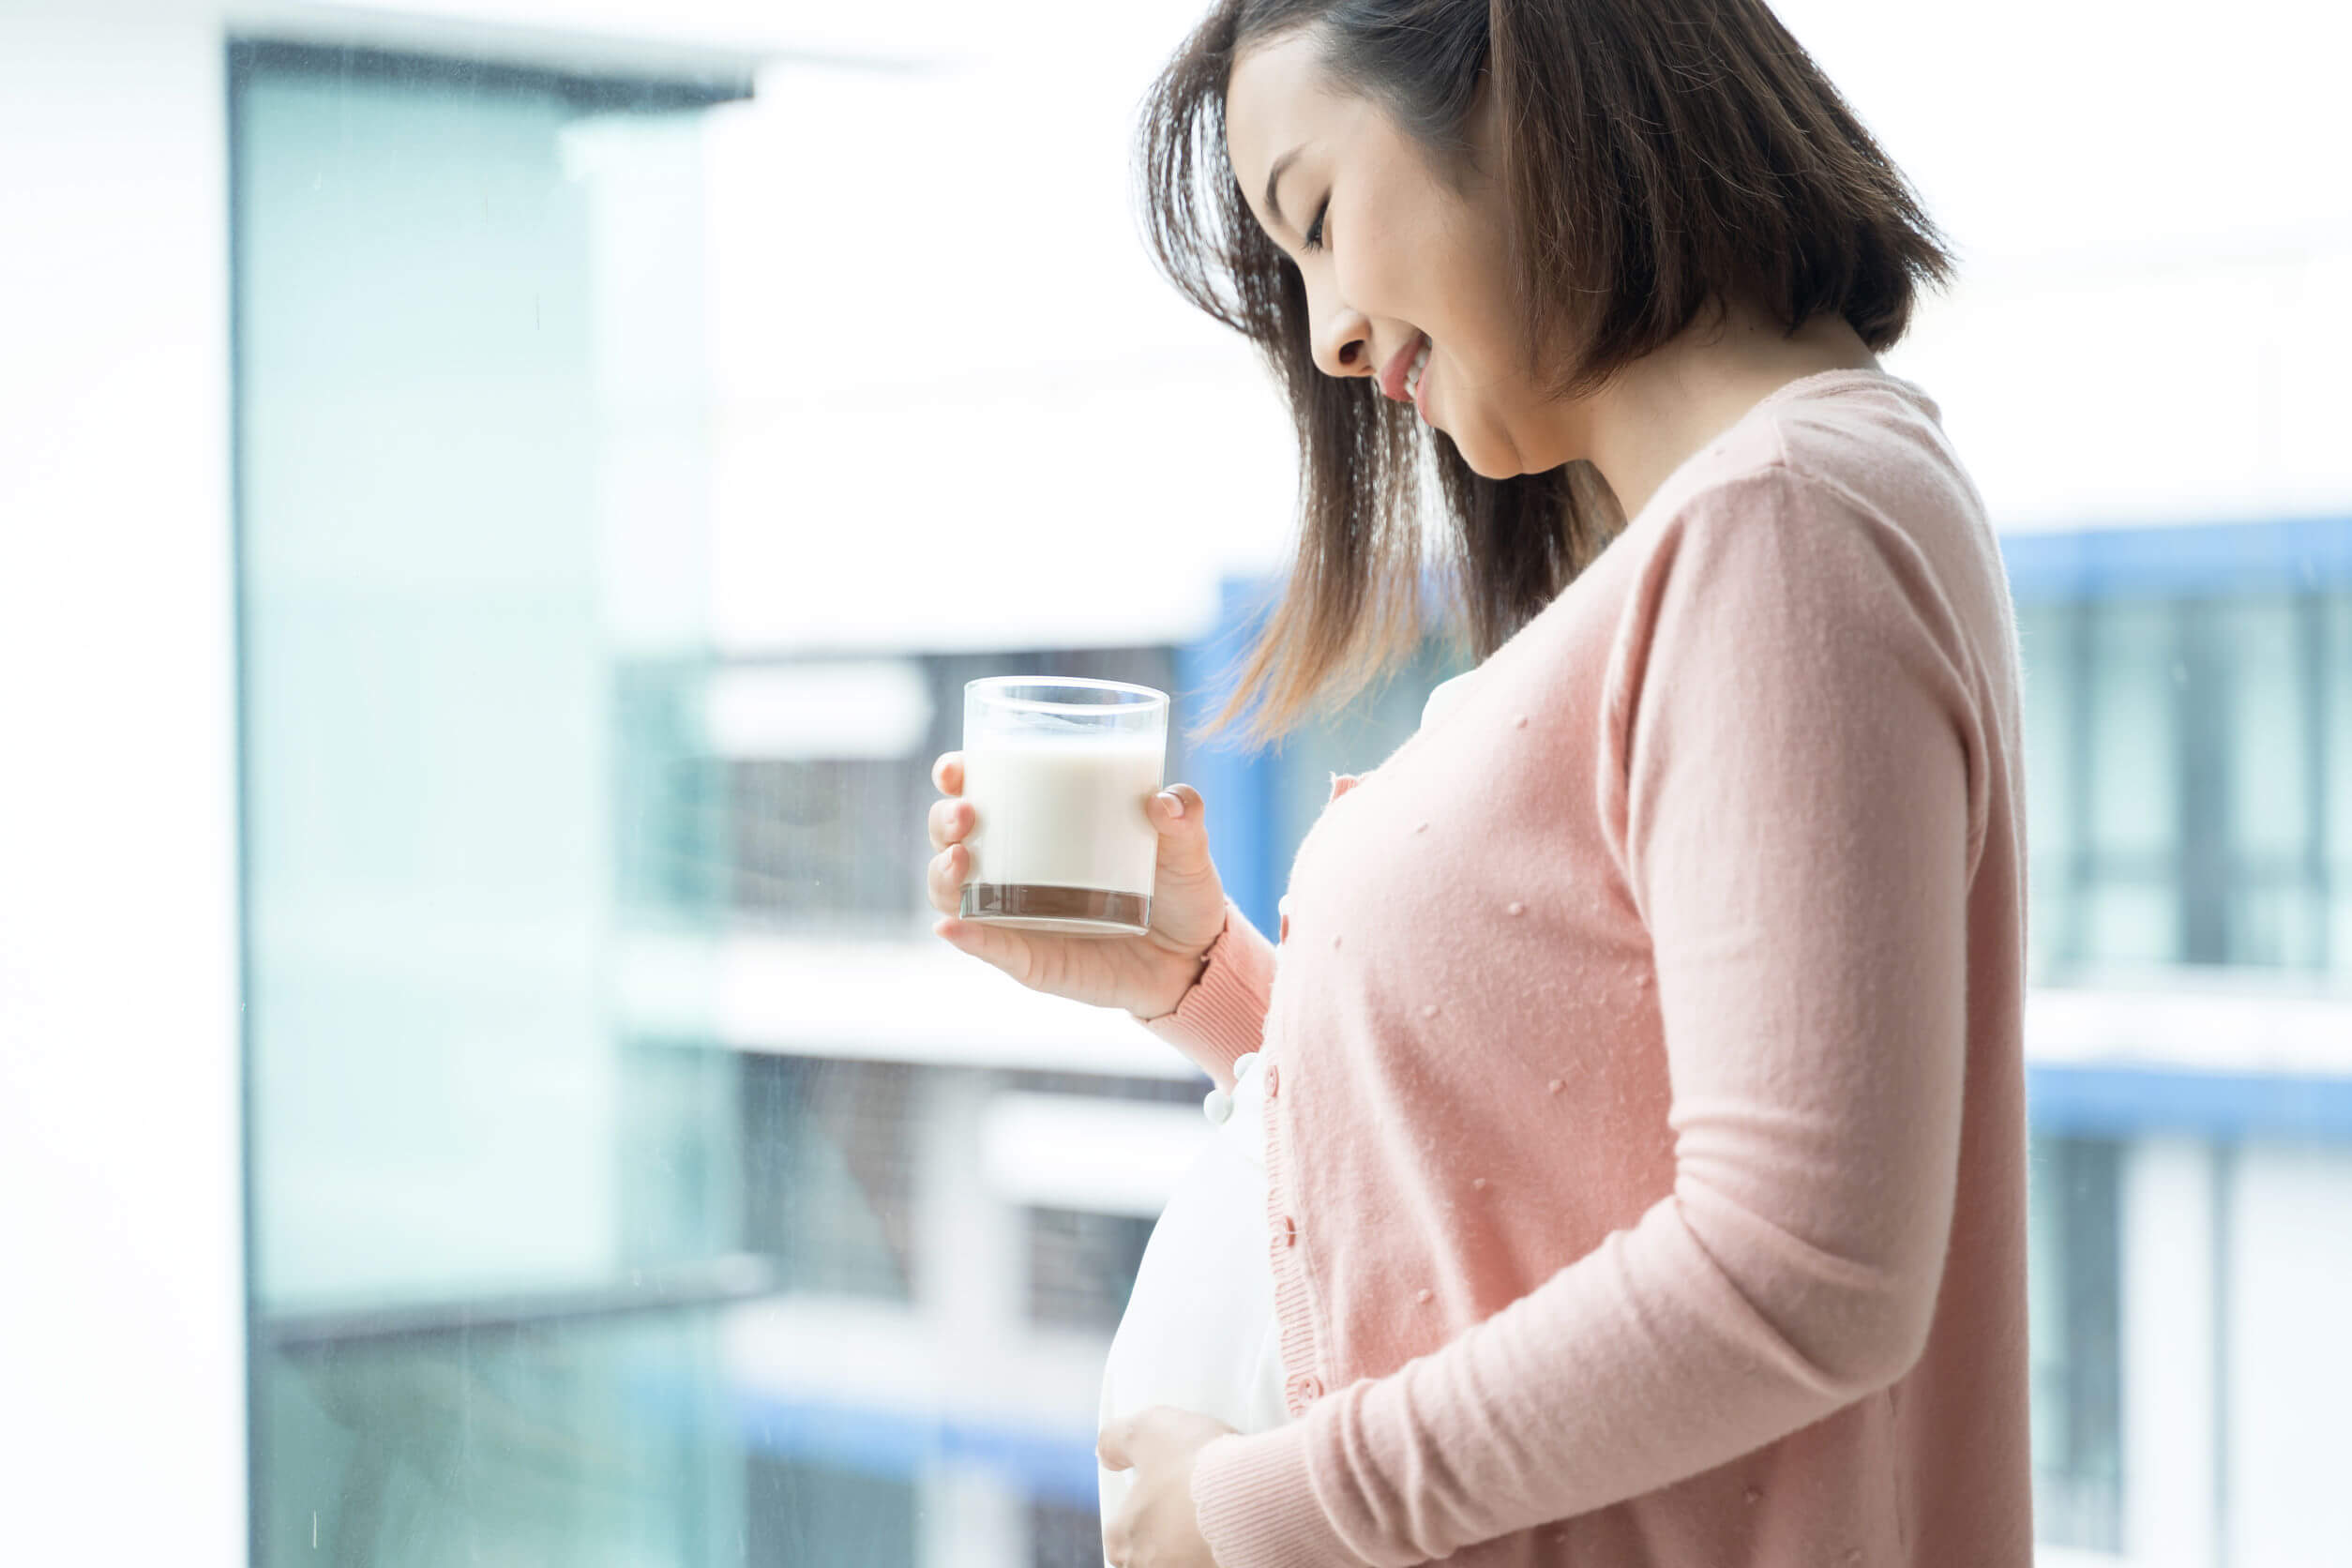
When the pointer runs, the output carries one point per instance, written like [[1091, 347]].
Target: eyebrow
[[1274, 178]]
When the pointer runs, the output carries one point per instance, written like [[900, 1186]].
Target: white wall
[[2168, 1400], [121, 1324], [2290, 1371], [2163, 388], [956, 406], [2155, 232]]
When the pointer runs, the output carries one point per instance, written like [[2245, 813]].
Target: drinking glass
[[1060, 772]]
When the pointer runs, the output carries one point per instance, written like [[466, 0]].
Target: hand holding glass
[[1077, 876]]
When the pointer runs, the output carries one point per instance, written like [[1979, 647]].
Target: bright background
[[497, 505]]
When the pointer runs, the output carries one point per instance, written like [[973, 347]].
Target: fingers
[[1183, 838], [943, 879], [949, 821], [991, 944]]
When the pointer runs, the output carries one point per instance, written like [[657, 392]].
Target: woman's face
[[1393, 256]]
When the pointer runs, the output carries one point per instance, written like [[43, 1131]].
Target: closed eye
[[1314, 235]]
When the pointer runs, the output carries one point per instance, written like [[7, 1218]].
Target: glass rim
[[993, 687]]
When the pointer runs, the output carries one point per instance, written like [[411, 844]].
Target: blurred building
[[536, 475]]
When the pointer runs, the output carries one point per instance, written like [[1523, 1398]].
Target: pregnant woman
[[1631, 1101]]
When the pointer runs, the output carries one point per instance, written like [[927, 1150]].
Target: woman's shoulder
[[1863, 430], [1862, 447], [1833, 425], [1838, 513]]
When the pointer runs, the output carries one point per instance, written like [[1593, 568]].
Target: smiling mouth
[[1404, 367], [1412, 372]]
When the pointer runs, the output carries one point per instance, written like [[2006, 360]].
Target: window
[[1082, 1266], [829, 1181], [483, 1257], [2186, 785], [2074, 1275]]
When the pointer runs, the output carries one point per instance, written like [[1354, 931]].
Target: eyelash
[[1314, 235]]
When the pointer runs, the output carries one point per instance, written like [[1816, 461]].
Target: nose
[[1343, 340]]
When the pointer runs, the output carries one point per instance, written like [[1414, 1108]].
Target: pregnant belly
[[1198, 1331]]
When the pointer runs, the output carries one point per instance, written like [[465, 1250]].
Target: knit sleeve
[[1794, 795], [1221, 1018]]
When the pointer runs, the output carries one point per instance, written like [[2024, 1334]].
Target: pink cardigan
[[1646, 1126]]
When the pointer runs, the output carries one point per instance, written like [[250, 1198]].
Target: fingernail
[[1175, 803]]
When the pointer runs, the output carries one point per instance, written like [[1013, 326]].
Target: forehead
[[1278, 96]]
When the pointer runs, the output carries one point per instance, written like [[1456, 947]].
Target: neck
[[1668, 404]]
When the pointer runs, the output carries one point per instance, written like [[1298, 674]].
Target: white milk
[[1052, 811]]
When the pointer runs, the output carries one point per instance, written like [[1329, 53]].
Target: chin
[[1487, 451], [1488, 462]]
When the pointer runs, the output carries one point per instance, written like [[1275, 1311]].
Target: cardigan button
[[1274, 1079], [1307, 1386], [1289, 1232]]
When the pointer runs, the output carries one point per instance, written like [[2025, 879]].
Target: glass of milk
[[1060, 772]]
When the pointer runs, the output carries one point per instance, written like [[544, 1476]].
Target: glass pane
[[2267, 651], [829, 1189], [2133, 923], [2336, 792], [594, 1443], [2047, 634], [2135, 667], [2264, 675], [2133, 834], [497, 1166], [2073, 1278]]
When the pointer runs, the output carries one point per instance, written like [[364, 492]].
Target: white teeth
[[1412, 371]]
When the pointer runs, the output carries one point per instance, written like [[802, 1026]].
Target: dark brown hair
[[1661, 154]]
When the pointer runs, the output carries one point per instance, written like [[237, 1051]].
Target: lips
[[1392, 373]]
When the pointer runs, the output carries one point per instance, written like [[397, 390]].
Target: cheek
[[1485, 320], [1402, 259], [1466, 310], [1376, 271]]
